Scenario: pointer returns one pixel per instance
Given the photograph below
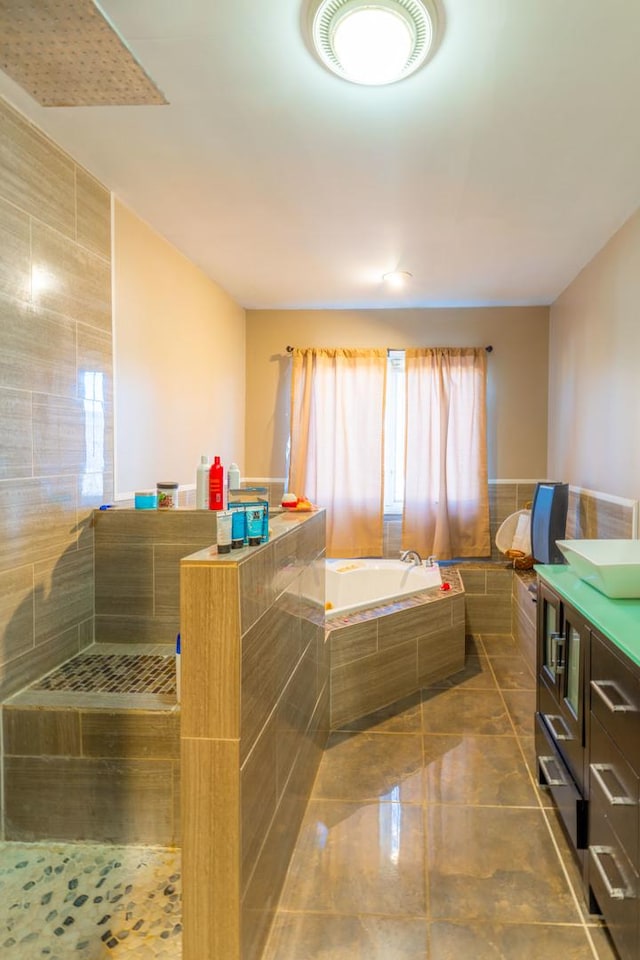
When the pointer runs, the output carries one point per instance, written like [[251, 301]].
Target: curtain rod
[[489, 349]]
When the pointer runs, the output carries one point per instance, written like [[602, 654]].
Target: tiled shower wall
[[56, 454]]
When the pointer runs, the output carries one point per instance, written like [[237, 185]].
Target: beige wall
[[179, 362], [594, 375], [517, 396]]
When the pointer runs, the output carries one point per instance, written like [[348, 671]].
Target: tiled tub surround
[[384, 653], [92, 752], [255, 717]]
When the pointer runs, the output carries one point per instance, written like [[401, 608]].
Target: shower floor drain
[[120, 673]]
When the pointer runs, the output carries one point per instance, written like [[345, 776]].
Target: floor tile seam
[[531, 774], [375, 799], [490, 922], [574, 895], [360, 801], [291, 911], [375, 733], [504, 702], [504, 656], [587, 933], [481, 806], [455, 688], [510, 689], [470, 733], [425, 866]]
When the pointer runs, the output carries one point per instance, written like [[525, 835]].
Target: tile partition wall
[[137, 570], [255, 717], [56, 409]]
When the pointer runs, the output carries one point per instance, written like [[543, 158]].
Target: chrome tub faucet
[[411, 556]]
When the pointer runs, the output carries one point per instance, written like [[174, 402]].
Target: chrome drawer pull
[[598, 769], [551, 719], [615, 893], [623, 707], [552, 781], [557, 652]]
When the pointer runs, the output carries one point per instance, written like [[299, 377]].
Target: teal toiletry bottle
[[202, 484]]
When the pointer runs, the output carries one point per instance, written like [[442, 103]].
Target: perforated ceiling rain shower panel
[[64, 53]]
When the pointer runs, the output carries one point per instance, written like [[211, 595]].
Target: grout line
[[576, 901], [544, 811]]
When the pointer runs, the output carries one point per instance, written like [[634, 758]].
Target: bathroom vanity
[[588, 739]]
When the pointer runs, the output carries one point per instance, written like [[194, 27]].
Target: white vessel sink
[[611, 566]]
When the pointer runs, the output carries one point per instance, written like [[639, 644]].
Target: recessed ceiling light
[[373, 42], [397, 278]]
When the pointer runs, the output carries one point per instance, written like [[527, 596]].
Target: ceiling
[[492, 175]]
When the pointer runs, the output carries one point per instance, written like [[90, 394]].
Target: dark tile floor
[[427, 838]]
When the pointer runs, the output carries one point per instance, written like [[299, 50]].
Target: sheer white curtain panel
[[446, 502], [337, 418]]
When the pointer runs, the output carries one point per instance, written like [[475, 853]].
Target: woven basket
[[504, 541], [520, 560]]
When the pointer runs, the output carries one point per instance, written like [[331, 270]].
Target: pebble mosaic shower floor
[[90, 902]]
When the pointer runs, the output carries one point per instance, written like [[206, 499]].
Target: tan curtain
[[446, 507], [337, 417]]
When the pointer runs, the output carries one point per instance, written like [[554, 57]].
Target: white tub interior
[[352, 585]]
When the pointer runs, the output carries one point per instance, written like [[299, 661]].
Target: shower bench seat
[[92, 750]]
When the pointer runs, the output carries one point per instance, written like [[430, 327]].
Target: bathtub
[[356, 584]]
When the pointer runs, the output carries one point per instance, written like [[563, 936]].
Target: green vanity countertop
[[618, 620]]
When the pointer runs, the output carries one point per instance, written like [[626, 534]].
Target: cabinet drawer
[[556, 775], [564, 731], [615, 699], [614, 885], [613, 791]]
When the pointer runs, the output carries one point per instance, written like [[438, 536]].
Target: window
[[394, 433], [399, 429]]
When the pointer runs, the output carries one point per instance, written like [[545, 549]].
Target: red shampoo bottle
[[216, 485]]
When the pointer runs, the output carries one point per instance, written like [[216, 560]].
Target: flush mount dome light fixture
[[397, 278], [373, 42]]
